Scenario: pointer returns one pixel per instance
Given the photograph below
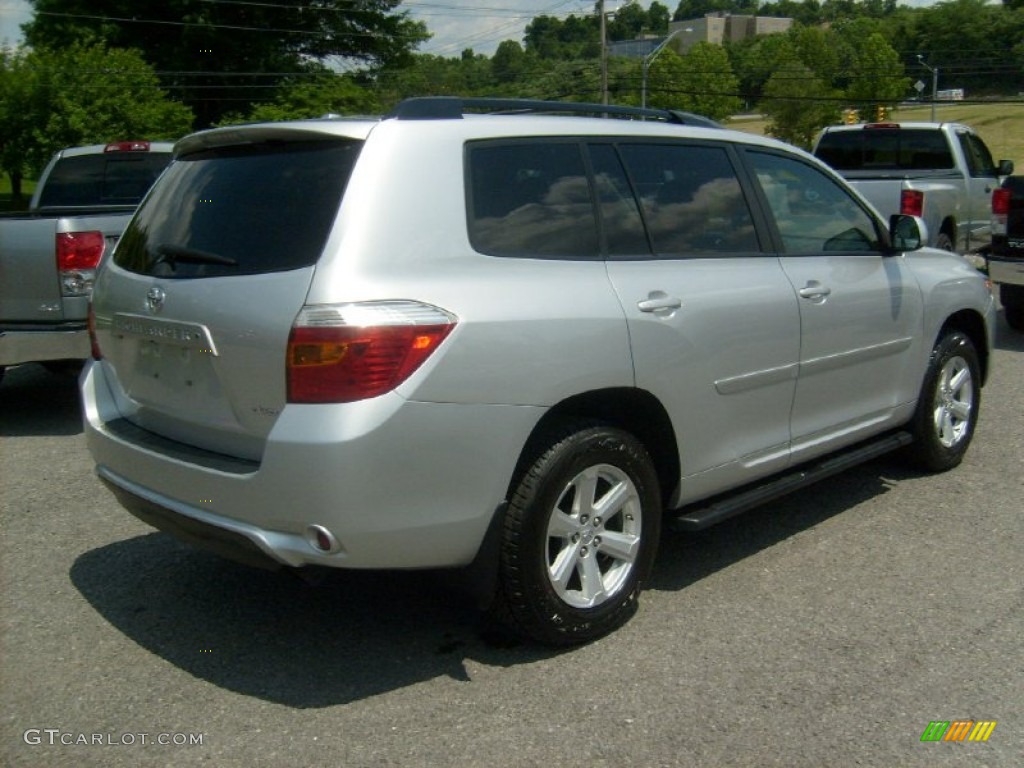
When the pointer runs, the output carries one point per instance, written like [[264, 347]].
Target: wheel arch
[[972, 324], [632, 410]]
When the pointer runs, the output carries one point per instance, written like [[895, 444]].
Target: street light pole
[[935, 82], [649, 59]]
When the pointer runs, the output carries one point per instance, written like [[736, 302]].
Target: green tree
[[82, 94], [798, 104], [702, 81], [509, 62], [326, 93], [222, 56], [876, 76]]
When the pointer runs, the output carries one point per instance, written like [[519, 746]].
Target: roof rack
[[454, 107]]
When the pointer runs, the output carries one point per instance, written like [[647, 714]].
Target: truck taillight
[[78, 255], [912, 202], [346, 352], [1000, 210]]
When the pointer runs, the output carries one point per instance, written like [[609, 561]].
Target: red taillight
[[912, 202], [93, 341], [348, 352], [1001, 201], [1000, 210], [79, 250], [78, 255]]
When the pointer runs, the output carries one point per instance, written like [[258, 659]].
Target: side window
[[979, 159], [530, 199], [812, 212], [691, 199]]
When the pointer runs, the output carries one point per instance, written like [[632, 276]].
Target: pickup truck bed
[[42, 306], [1006, 258], [940, 172], [49, 256]]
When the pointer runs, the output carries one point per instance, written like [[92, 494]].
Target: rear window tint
[[885, 149], [531, 199], [240, 211], [89, 180]]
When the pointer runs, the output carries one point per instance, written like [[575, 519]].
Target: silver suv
[[512, 342]]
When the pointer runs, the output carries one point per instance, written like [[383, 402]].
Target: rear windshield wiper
[[172, 254]]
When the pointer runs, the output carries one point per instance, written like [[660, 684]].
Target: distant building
[[715, 28]]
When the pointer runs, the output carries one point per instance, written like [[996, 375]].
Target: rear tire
[[947, 409], [580, 535], [1012, 299], [944, 242]]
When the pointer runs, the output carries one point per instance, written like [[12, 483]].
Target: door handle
[[658, 301], [814, 290]]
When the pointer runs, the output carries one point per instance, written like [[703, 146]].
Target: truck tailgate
[[29, 289]]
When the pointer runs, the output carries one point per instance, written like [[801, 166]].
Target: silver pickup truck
[[48, 256], [940, 172]]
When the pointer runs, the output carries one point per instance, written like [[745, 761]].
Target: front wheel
[[947, 410], [581, 532]]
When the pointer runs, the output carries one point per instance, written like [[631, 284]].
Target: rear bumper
[[38, 345], [397, 483], [1006, 271]]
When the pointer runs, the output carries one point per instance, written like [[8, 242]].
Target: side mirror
[[1005, 167], [907, 233]]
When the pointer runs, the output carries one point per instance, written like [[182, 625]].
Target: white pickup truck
[[48, 256], [940, 172]]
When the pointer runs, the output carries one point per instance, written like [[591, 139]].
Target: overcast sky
[[455, 24]]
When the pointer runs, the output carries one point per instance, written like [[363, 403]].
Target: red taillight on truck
[[348, 352], [78, 255], [912, 202], [1000, 210]]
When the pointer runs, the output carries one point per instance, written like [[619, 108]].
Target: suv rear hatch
[[192, 318]]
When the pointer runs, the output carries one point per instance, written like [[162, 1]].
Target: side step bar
[[704, 514]]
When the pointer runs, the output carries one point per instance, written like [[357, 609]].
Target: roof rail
[[454, 107]]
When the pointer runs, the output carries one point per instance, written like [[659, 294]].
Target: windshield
[[240, 210]]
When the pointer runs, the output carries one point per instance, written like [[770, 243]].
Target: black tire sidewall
[[926, 451], [537, 608]]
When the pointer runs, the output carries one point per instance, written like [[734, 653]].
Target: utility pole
[[604, 54], [935, 82]]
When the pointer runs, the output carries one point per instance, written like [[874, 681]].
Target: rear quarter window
[[240, 210], [530, 199]]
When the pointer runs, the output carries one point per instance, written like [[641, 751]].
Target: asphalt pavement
[[828, 629]]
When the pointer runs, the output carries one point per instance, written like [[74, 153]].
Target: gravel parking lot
[[828, 629]]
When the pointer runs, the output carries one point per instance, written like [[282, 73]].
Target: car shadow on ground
[[36, 401], [687, 557], [359, 634]]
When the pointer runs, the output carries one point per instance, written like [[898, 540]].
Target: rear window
[[885, 149], [90, 180], [240, 210]]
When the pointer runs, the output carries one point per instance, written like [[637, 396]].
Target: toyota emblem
[[155, 299]]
